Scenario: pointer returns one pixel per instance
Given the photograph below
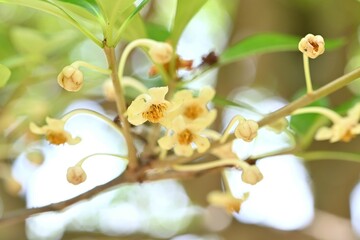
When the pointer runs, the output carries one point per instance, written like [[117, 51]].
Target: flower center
[[314, 45], [185, 137], [193, 111], [348, 136], [56, 138], [155, 112]]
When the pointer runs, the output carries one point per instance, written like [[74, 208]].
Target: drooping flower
[[150, 106], [184, 135], [251, 175], [193, 108], [71, 78], [225, 200], [247, 130], [54, 132], [312, 46], [76, 175], [160, 52], [344, 128]]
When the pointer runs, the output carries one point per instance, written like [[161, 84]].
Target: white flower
[[344, 128], [193, 108], [247, 130], [54, 132], [225, 200], [70, 78], [312, 46], [160, 52], [76, 175], [183, 136], [150, 106]]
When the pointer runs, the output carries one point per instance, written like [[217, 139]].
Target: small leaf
[[5, 74], [266, 43], [89, 5], [185, 11]]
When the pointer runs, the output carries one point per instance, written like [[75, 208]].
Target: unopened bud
[[76, 175], [251, 175], [161, 52], [312, 46], [109, 90], [35, 156], [247, 130], [71, 79]]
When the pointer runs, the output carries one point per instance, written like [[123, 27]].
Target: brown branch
[[128, 177]]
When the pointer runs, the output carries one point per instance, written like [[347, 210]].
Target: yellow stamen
[[155, 112], [56, 138], [185, 137], [193, 111]]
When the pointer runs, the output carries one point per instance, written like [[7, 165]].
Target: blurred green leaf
[[28, 41], [89, 5], [5, 74], [52, 8], [132, 26], [303, 123], [185, 11], [224, 102], [266, 43], [157, 32]]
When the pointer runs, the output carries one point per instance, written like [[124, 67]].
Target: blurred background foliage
[[36, 46]]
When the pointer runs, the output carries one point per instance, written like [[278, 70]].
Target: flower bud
[[76, 175], [251, 175], [35, 156], [224, 200], [161, 52], [312, 46], [71, 79], [12, 186], [247, 130]]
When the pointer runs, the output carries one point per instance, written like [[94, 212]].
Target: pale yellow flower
[[225, 200], [344, 128], [54, 132], [247, 130], [312, 46], [193, 108], [71, 78], [251, 175], [184, 136], [150, 106], [160, 52], [76, 175]]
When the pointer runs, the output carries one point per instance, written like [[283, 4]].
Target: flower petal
[[183, 95], [137, 106], [202, 144], [178, 124], [36, 129], [73, 141], [324, 133], [136, 119], [166, 142], [55, 124], [158, 94], [183, 150], [206, 94]]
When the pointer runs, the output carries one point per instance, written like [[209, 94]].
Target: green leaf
[[267, 43], [157, 32], [132, 25], [185, 11], [5, 74], [89, 5], [304, 123], [224, 102], [52, 8], [35, 43]]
